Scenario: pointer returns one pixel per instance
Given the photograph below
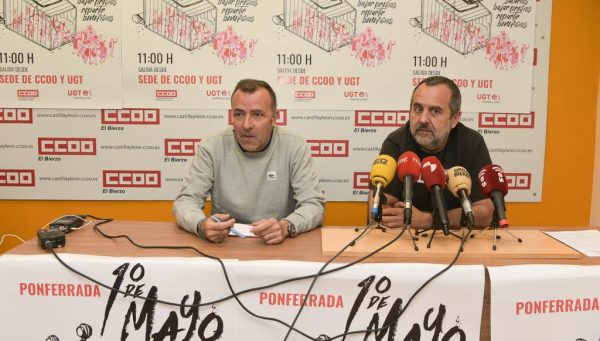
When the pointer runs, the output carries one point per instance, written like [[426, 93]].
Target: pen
[[233, 229]]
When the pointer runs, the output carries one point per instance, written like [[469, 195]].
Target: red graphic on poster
[[92, 47], [232, 48], [370, 49], [504, 52]]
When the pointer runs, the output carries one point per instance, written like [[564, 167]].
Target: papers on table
[[241, 230], [585, 241]]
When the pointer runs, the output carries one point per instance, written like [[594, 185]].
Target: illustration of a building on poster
[[48, 23], [187, 23], [486, 47], [177, 52], [461, 25], [328, 24], [60, 53]]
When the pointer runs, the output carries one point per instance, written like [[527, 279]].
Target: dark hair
[[455, 98], [249, 85]]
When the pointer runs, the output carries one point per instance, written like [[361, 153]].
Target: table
[[305, 247]]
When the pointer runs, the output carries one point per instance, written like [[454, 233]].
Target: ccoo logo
[[166, 93], [130, 178], [380, 118], [17, 177], [361, 180], [328, 148], [506, 120], [28, 93], [518, 181], [181, 147], [130, 116], [66, 146], [16, 115]]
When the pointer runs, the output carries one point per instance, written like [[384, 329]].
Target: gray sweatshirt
[[279, 182]]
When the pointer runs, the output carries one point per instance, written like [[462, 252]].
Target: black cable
[[235, 294], [353, 242], [386, 326], [225, 273]]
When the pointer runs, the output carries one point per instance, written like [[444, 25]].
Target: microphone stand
[[496, 225], [375, 223], [375, 220], [435, 226]]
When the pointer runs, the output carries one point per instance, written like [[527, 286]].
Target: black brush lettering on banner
[[378, 301], [170, 327]]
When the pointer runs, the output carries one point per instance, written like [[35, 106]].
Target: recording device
[[383, 170], [409, 172], [493, 184], [434, 178], [51, 239], [459, 184], [67, 222]]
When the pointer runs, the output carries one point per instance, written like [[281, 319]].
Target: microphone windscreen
[[383, 170], [458, 178], [432, 172], [492, 178], [409, 164]]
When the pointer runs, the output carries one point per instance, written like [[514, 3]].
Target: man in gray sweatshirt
[[256, 173]]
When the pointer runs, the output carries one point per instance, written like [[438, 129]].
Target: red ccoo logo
[[518, 181], [17, 177], [181, 147], [380, 118], [328, 148], [361, 180], [166, 93], [305, 94], [130, 116], [27, 93], [16, 115], [66, 146], [506, 120], [280, 121], [130, 178]]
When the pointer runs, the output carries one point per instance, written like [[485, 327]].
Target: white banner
[[545, 302], [343, 87], [38, 291]]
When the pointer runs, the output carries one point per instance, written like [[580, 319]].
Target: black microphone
[[493, 184], [434, 178], [409, 172]]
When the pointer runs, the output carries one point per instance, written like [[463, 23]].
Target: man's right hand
[[216, 231]]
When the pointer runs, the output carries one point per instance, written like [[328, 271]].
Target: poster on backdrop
[[359, 298], [328, 54], [567, 308], [60, 54], [143, 153]]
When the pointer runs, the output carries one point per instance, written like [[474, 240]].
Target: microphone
[[382, 173], [459, 184], [493, 184], [434, 178], [409, 171]]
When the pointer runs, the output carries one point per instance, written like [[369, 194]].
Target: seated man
[[256, 173], [434, 130]]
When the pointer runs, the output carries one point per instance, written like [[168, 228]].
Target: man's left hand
[[393, 216], [270, 230]]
